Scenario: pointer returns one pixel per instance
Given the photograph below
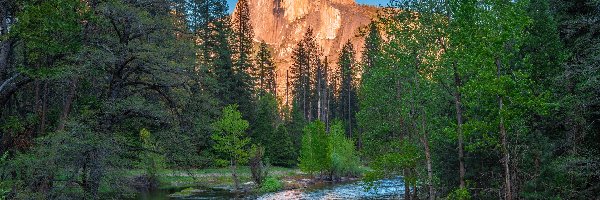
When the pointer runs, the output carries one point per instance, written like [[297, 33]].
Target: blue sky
[[371, 2]]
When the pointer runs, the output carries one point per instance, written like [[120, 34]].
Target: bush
[[333, 153], [314, 154], [460, 194], [344, 159], [151, 160], [271, 184]]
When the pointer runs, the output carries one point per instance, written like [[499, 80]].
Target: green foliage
[[270, 133], [5, 186], [271, 184], [379, 109], [394, 163], [331, 153], [266, 131], [60, 35], [460, 194], [348, 104], [12, 125], [344, 158], [265, 70], [151, 159], [314, 155], [296, 126], [230, 135], [283, 152]]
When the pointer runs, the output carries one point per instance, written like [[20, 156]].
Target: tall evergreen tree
[[265, 75], [306, 58], [242, 51], [373, 42], [347, 94], [243, 37]]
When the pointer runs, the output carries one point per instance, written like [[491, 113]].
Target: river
[[384, 189]]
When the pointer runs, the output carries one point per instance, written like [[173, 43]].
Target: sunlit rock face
[[282, 23]]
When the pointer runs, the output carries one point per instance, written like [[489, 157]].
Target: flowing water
[[383, 189]]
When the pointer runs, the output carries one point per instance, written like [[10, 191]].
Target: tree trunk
[[38, 105], [5, 51], [287, 88], [425, 141], [44, 108], [67, 105], [414, 193], [7, 43], [407, 195], [459, 122], [234, 175], [503, 137], [349, 110], [319, 97]]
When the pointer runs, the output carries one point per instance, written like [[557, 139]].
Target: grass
[[217, 177], [271, 184]]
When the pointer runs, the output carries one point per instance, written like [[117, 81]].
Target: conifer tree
[[348, 98], [242, 50], [306, 58], [212, 27], [265, 75], [243, 37], [372, 48]]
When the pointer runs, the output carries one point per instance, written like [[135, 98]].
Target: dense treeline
[[464, 99], [90, 89], [484, 99]]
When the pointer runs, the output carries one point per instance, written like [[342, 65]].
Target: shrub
[[151, 160], [314, 154], [333, 153], [460, 194], [271, 184], [344, 159]]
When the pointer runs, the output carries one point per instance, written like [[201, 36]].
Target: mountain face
[[283, 23]]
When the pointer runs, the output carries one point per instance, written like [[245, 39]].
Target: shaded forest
[[470, 99]]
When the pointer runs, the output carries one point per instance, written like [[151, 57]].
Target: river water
[[384, 189]]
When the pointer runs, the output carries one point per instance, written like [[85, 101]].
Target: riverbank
[[181, 183]]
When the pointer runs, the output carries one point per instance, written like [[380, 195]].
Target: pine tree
[[348, 98], [372, 48], [265, 70], [321, 91], [306, 58], [267, 120], [242, 50], [282, 152], [213, 31], [243, 37]]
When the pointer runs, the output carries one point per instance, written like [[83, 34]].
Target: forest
[[462, 99]]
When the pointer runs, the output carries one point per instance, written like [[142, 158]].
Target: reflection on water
[[385, 189], [203, 193]]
